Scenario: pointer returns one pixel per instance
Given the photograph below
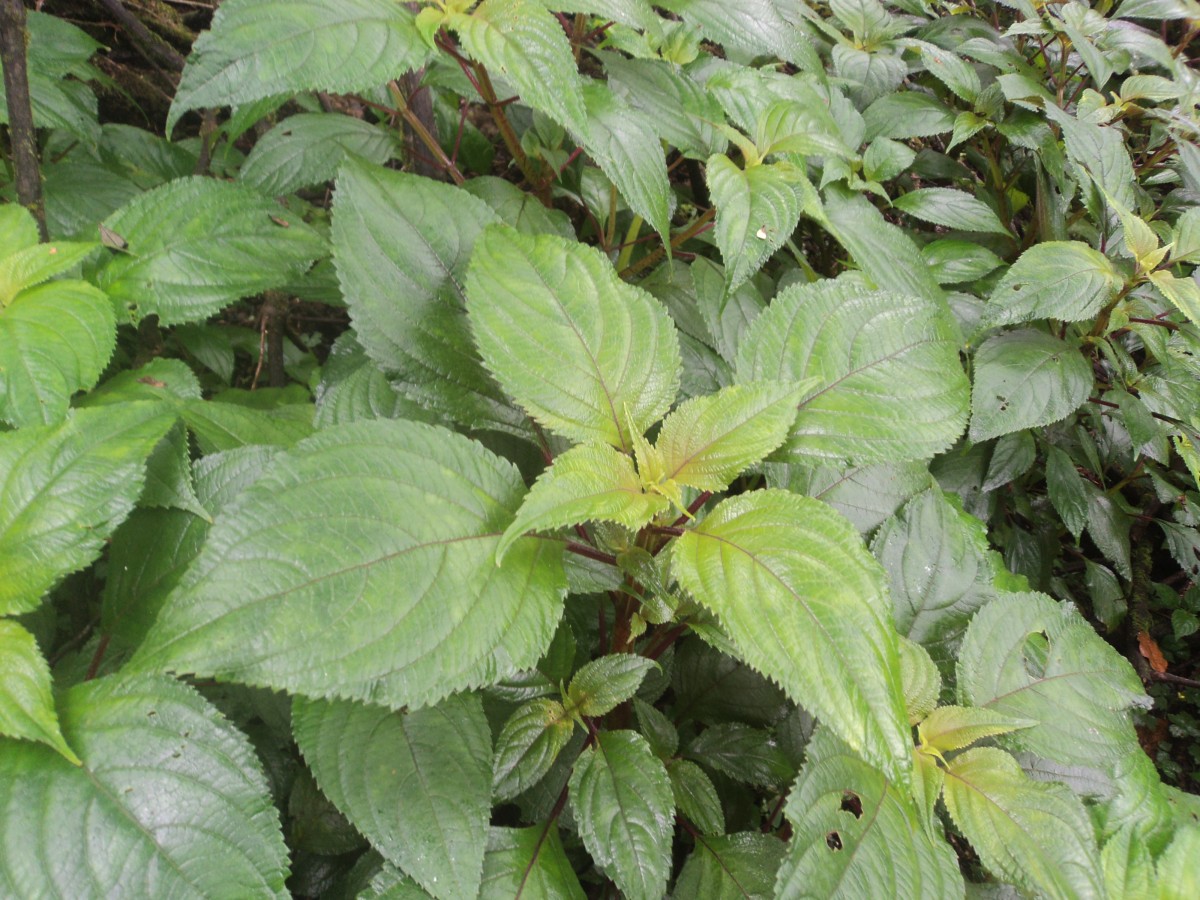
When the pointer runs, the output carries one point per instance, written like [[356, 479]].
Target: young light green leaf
[[758, 208], [731, 867], [955, 727], [528, 863], [523, 42], [1065, 280], [458, 621], [868, 350], [622, 800], [806, 605], [1128, 866], [921, 678], [26, 703], [18, 228], [1024, 379], [1034, 659], [55, 339], [26, 267], [1177, 877], [65, 489], [1186, 246], [936, 557], [528, 745], [622, 142], [857, 834], [1183, 292], [198, 244], [590, 482], [950, 208], [416, 784], [603, 349], [309, 148], [396, 234], [603, 684], [160, 767], [708, 441], [1033, 834], [260, 48]]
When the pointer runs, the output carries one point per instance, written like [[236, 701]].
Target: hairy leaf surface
[[26, 704], [1065, 280]]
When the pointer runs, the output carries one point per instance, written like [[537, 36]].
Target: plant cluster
[[594, 448]]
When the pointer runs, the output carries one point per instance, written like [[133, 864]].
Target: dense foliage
[[588, 448]]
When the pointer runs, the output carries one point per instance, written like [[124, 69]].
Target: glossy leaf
[[160, 767], [1065, 280], [55, 339], [416, 784], [522, 42], [950, 208], [708, 441], [856, 833], [609, 354], [867, 350], [758, 208], [195, 245], [695, 797], [731, 867], [591, 482], [1024, 379], [458, 621], [806, 605], [65, 489], [601, 685], [260, 48], [749, 755], [1031, 658], [528, 745], [401, 244], [622, 801], [1033, 834], [529, 863], [26, 703]]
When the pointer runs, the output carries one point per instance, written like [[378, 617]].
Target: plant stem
[[413, 121], [484, 82], [702, 224], [22, 135]]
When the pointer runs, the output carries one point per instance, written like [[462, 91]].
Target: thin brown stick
[[153, 47], [21, 131]]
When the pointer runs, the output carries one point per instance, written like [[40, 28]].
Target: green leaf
[[921, 678], [55, 339], [590, 482], [1128, 866], [171, 792], [754, 26], [353, 387], [309, 148], [866, 495], [584, 352], [400, 235], [953, 262], [260, 48], [758, 208], [890, 385], [1067, 490], [18, 228], [416, 784], [522, 42], [857, 834], [731, 867], [684, 113], [695, 797], [1177, 875], [26, 267], [1034, 834], [65, 489], [746, 754], [336, 624], [1183, 292], [951, 208], [1065, 280], [955, 727], [936, 557], [603, 684], [26, 703], [528, 863], [520, 210], [622, 800], [528, 745], [629, 152], [222, 426], [198, 244], [806, 605], [708, 441], [1031, 658], [1024, 379], [907, 115]]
